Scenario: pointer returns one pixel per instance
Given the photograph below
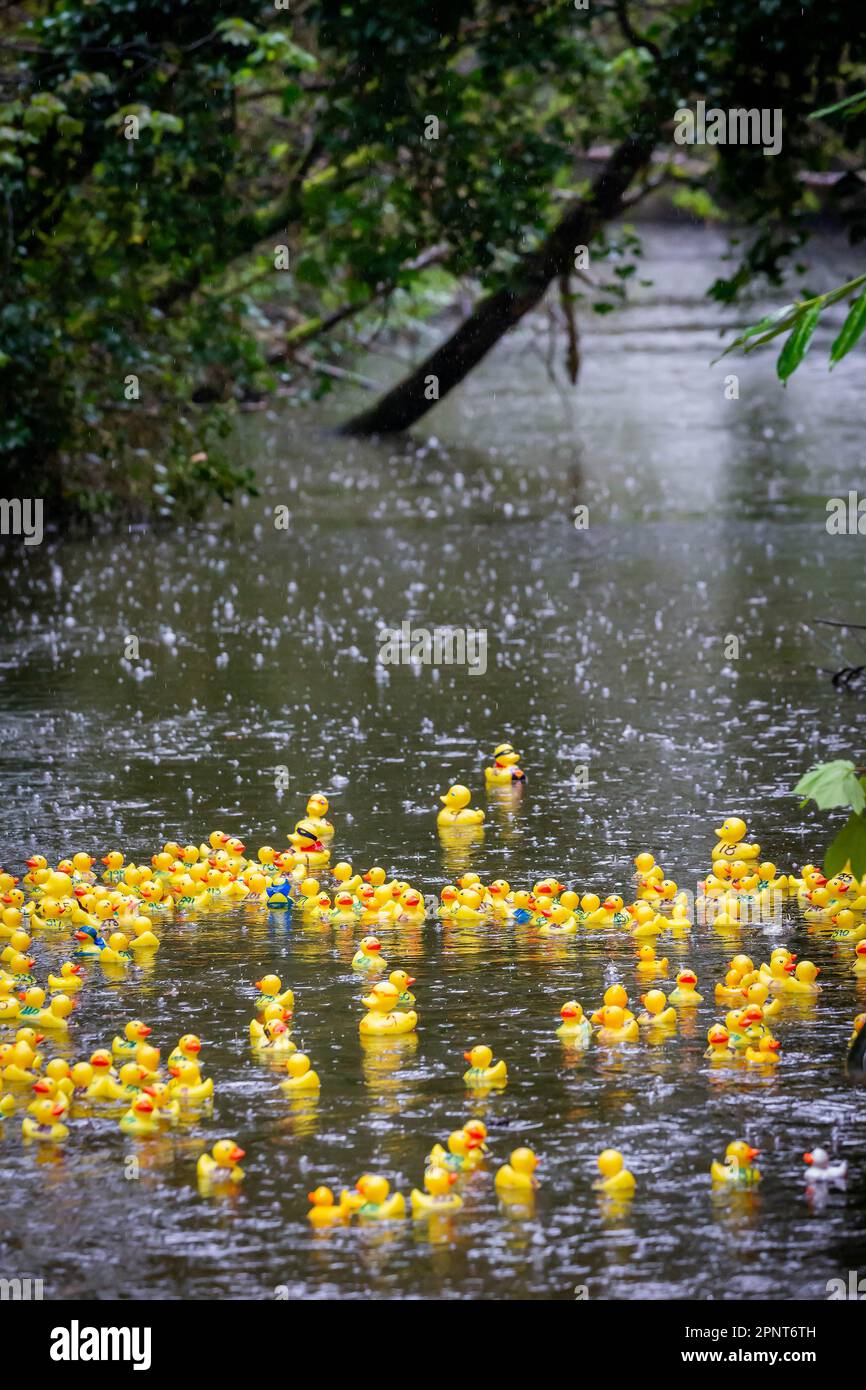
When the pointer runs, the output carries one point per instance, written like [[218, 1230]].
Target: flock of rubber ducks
[[107, 917], [446, 1166]]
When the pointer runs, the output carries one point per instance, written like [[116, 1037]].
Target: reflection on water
[[605, 654]]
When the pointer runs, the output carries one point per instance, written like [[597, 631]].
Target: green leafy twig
[[799, 321], [837, 784]]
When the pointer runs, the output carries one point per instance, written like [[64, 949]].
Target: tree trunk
[[449, 364]]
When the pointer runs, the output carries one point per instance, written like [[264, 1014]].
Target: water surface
[[606, 651]]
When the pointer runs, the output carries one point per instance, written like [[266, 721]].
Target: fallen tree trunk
[[410, 399]]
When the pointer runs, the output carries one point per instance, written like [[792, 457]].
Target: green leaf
[[832, 784], [852, 105], [769, 326], [849, 847], [797, 345], [851, 330]]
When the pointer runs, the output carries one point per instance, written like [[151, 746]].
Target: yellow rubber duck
[[187, 1050], [505, 770], [610, 913], [44, 1124], [686, 992], [499, 899], [615, 1027], [758, 994], [410, 906], [220, 1166], [656, 1014], [7, 1104], [575, 1027], [649, 963], [69, 980], [189, 1088], [614, 995], [51, 1019], [301, 1078], [19, 944], [803, 981], [731, 841], [271, 990], [649, 876], [368, 957], [105, 1084], [482, 1069], [378, 1202], [615, 1177], [317, 810], [134, 1033], [308, 847], [324, 1211], [764, 1052], [738, 1168], [859, 966], [558, 921], [143, 939], [346, 910], [141, 1119], [466, 1149], [114, 863], [20, 1064], [782, 964], [117, 952], [469, 906], [456, 809], [271, 1036], [401, 982], [518, 1175], [646, 922], [383, 1016], [438, 1198], [847, 928], [718, 1052], [51, 1087], [10, 1005]]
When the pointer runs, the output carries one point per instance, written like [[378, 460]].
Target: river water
[[606, 660]]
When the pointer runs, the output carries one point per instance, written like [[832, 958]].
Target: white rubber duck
[[822, 1170]]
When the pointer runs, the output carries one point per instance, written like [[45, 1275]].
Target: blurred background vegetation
[[202, 206]]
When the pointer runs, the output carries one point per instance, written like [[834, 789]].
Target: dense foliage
[[157, 156]]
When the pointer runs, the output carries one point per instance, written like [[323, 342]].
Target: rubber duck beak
[[410, 979], [144, 1031], [807, 1158], [789, 968], [444, 800], [467, 1056], [754, 1153], [57, 1110], [238, 1154]]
